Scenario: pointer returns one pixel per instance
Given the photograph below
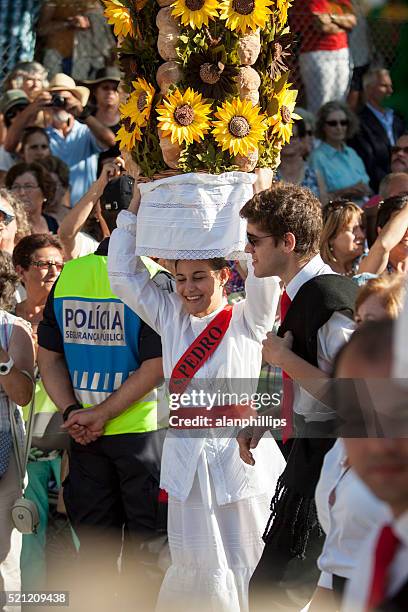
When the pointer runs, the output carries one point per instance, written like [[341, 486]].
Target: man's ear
[[289, 242]]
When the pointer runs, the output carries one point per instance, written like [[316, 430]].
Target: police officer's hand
[[86, 425]]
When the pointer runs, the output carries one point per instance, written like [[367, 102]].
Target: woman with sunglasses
[[34, 186], [14, 223], [342, 169]]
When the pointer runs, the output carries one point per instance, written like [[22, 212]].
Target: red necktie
[[386, 548], [287, 400]]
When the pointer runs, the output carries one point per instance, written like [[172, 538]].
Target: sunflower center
[[194, 5], [141, 101], [184, 115], [210, 73], [243, 7], [285, 114], [239, 127]]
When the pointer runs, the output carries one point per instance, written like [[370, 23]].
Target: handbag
[[24, 512]]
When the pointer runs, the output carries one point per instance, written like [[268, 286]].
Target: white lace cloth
[[194, 216]]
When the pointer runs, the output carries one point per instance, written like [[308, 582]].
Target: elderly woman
[[342, 169], [34, 186], [343, 237], [218, 505], [31, 77]]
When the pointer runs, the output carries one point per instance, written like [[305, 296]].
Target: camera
[[118, 193], [57, 101]]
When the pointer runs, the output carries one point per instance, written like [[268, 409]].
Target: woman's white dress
[[218, 505]]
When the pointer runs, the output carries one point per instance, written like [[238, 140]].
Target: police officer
[[95, 352]]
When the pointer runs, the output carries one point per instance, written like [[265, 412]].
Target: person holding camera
[[101, 365], [75, 135]]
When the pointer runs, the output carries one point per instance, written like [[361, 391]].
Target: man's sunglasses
[[399, 149], [253, 240], [335, 123], [6, 218]]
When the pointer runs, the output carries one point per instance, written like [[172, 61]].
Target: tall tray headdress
[[208, 102]]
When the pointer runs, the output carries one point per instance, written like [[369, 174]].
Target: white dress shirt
[[358, 588], [348, 513], [237, 357], [330, 338]]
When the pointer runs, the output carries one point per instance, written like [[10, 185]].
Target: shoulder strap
[[199, 351], [22, 457]]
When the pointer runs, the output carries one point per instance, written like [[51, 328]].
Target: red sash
[[199, 351]]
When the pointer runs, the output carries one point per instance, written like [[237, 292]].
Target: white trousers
[[10, 538], [325, 75], [214, 549]]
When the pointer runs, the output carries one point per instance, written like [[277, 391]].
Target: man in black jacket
[[380, 127]]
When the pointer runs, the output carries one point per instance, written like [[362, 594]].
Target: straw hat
[[63, 82], [108, 73]]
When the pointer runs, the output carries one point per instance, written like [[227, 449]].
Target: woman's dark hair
[[56, 166], [216, 263], [24, 250], [389, 206], [8, 282], [301, 128], [43, 177], [29, 131], [331, 107]]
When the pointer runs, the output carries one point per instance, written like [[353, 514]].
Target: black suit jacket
[[372, 144]]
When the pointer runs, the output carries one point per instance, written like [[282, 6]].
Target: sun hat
[[108, 73], [13, 97], [63, 82]]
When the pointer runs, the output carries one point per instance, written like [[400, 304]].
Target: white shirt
[[85, 244], [358, 588], [330, 338], [237, 357], [348, 513]]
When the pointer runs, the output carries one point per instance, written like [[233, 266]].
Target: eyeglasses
[[399, 149], [253, 240], [6, 218], [43, 264], [24, 187], [335, 123]]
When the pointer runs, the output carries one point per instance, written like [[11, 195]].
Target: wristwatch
[[6, 367], [70, 409]]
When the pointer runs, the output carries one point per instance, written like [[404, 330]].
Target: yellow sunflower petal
[[240, 126], [119, 16]]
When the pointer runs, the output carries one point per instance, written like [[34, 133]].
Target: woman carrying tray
[[218, 505]]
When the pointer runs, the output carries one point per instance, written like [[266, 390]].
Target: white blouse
[[237, 357], [348, 513]]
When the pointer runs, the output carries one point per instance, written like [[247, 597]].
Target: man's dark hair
[[24, 250], [288, 208], [389, 206]]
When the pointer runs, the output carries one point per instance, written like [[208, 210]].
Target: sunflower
[[119, 16], [240, 127], [281, 122], [208, 74], [129, 133], [195, 13], [244, 15], [283, 6], [184, 117], [140, 102]]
